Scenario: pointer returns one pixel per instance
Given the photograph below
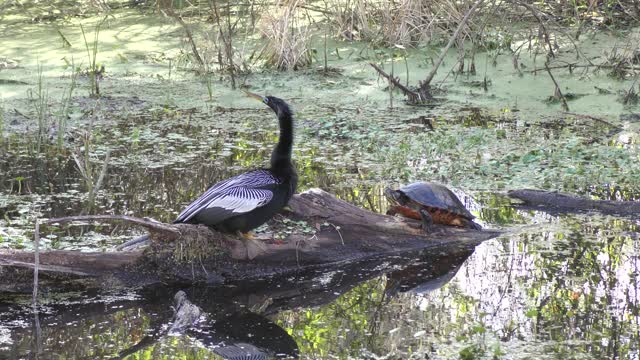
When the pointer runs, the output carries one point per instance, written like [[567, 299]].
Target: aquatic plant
[[94, 71], [40, 102], [63, 113], [93, 180]]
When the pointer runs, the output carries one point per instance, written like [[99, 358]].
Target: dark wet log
[[557, 202], [343, 233]]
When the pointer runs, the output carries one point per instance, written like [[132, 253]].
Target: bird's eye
[[266, 100]]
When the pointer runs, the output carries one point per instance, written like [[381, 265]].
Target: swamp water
[[553, 286]]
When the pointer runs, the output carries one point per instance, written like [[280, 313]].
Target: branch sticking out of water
[[98, 184], [545, 34], [186, 316], [194, 47], [424, 88], [453, 38], [36, 265], [557, 94], [631, 96], [414, 97]]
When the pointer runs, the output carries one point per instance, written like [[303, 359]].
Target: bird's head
[[278, 105]]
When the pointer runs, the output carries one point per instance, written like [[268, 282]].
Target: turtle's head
[[392, 195]]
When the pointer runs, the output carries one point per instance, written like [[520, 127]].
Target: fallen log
[[185, 254], [557, 202]]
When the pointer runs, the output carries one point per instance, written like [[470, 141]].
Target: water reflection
[[241, 321]]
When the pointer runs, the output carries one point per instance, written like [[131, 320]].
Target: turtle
[[431, 203]]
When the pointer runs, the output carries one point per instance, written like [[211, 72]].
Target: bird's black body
[[248, 200]]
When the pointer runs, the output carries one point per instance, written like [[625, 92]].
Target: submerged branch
[[553, 201], [572, 66]]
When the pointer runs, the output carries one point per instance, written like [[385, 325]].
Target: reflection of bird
[[248, 200]]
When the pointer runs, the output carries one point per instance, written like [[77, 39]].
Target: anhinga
[[246, 201]]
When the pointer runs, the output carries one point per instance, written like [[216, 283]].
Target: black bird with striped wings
[[246, 201]]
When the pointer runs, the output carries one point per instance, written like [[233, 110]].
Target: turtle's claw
[[427, 221]]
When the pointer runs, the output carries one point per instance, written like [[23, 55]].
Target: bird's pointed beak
[[255, 96]]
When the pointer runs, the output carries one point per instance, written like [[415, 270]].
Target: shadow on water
[[239, 317]]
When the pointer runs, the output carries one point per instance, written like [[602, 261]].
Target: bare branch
[[453, 38], [558, 93], [146, 223], [414, 97]]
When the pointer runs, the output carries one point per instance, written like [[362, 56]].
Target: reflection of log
[[344, 233], [552, 201], [237, 313]]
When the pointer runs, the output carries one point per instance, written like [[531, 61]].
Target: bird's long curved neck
[[281, 156]]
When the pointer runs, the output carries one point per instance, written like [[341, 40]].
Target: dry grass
[[288, 40], [403, 22], [352, 18]]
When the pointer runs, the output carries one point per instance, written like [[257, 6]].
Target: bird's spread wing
[[236, 195]]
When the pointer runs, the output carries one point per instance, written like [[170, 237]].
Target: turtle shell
[[436, 196]]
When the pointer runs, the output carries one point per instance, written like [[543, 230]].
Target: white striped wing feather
[[236, 195]]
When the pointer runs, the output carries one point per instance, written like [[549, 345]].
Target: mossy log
[[557, 202], [182, 253]]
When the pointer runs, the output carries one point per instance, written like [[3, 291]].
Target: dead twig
[[146, 223], [194, 47], [545, 32], [631, 96], [572, 66], [558, 93], [414, 97], [98, 184], [339, 233], [226, 37], [594, 118], [452, 39]]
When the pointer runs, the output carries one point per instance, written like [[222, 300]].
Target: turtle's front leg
[[427, 221]]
